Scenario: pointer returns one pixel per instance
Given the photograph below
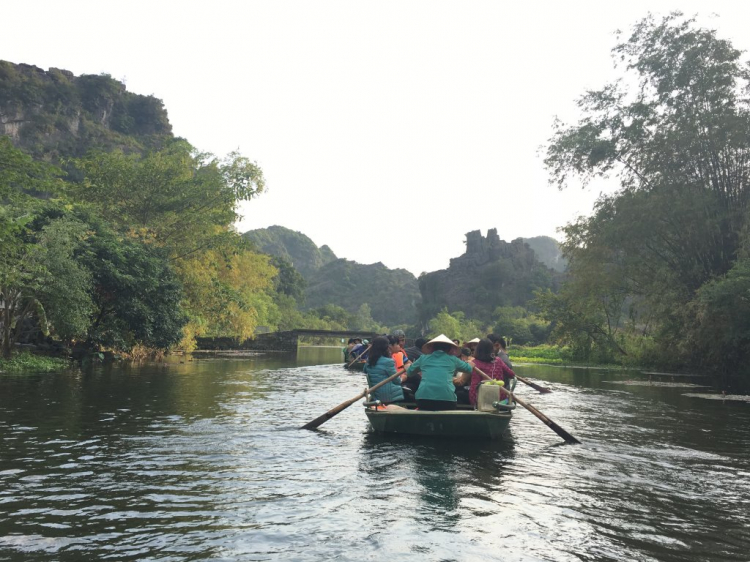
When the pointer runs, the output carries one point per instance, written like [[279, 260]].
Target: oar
[[320, 420], [358, 356], [548, 422], [533, 385]]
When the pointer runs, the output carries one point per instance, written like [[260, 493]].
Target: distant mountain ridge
[[295, 247], [392, 294]]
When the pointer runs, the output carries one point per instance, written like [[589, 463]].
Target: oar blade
[[562, 433]]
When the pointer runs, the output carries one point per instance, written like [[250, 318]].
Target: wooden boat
[[489, 421], [462, 423]]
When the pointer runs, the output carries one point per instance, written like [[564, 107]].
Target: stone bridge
[[276, 341]]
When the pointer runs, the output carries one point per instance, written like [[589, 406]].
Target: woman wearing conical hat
[[436, 391]]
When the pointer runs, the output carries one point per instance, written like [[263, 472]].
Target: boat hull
[[357, 366], [453, 423]]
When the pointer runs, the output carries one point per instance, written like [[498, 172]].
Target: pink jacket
[[497, 370]]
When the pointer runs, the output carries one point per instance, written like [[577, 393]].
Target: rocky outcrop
[[54, 114], [489, 274]]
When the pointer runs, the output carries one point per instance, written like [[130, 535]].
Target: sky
[[385, 129]]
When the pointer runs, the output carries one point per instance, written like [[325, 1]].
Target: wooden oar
[[320, 420], [358, 356], [548, 422], [533, 385]]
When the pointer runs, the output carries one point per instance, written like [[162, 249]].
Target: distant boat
[[356, 366]]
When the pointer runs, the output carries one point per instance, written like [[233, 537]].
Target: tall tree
[[679, 141]]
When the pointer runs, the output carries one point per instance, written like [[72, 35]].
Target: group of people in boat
[[437, 374]]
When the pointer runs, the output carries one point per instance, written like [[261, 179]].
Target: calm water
[[203, 460]]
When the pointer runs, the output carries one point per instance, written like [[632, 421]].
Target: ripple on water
[[207, 463]]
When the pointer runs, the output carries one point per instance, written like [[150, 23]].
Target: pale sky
[[385, 129]]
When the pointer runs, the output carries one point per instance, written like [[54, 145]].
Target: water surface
[[202, 460]]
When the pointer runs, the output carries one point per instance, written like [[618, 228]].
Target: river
[[203, 460]]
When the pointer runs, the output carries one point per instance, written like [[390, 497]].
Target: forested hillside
[[54, 114], [292, 246], [130, 245], [390, 295], [491, 287]]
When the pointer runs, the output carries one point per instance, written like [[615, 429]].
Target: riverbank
[[25, 361]]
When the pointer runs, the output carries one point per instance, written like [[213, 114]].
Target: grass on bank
[[25, 361], [554, 355]]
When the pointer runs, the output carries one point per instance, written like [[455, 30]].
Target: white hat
[[475, 340], [442, 338]]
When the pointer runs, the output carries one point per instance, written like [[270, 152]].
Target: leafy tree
[[680, 144], [455, 326], [226, 292], [137, 295], [177, 198]]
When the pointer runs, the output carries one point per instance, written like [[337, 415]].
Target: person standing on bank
[[436, 391], [379, 367]]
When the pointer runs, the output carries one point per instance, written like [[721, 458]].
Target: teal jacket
[[384, 368], [437, 375]]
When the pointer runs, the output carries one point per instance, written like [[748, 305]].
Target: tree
[[137, 295], [33, 265], [680, 145], [177, 198]]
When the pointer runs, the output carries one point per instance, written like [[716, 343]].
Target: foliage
[[721, 327], [455, 325], [644, 266], [225, 292], [26, 361], [35, 265], [549, 354], [137, 294], [176, 198], [289, 281], [518, 325]]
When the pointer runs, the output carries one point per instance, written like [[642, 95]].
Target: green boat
[[356, 366], [462, 423]]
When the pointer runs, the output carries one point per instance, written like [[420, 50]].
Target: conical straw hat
[[475, 340], [442, 338]]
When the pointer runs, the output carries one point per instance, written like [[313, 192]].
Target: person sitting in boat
[[472, 345], [491, 365], [347, 350], [359, 351], [499, 347], [397, 353], [461, 380], [379, 367], [414, 352], [436, 391]]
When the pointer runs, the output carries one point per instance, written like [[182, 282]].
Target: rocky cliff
[[489, 274], [54, 114]]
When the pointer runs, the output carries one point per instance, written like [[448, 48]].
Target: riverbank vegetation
[[661, 269], [26, 361]]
